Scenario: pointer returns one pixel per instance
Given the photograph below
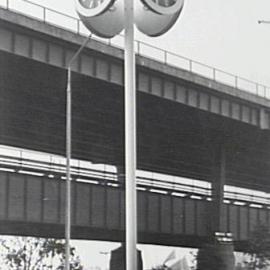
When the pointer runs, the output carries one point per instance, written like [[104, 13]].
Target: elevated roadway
[[183, 118], [188, 126], [32, 202]]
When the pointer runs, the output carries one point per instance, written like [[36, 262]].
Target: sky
[[223, 34]]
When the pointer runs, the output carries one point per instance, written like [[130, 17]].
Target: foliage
[[214, 255], [27, 253], [258, 249], [193, 260]]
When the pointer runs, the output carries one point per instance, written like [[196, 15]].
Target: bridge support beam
[[264, 119], [120, 172], [217, 255], [218, 182]]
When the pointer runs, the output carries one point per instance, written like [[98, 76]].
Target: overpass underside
[[187, 126], [172, 138], [33, 205]]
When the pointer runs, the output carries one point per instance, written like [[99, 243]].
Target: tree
[[28, 253], [258, 248], [193, 260]]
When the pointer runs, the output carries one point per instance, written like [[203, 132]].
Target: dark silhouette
[[118, 259]]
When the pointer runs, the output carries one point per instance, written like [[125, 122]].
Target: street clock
[[164, 7], [104, 18], [92, 8], [156, 17]]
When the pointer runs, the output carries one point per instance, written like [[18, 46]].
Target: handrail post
[[165, 57], [257, 89], [44, 14], [190, 65], [214, 74], [7, 4], [236, 82]]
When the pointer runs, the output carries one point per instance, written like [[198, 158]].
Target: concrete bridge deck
[[188, 126], [32, 201]]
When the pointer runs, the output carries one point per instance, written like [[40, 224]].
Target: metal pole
[[68, 156], [68, 178], [130, 139]]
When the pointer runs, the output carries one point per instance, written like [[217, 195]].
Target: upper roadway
[[184, 119]]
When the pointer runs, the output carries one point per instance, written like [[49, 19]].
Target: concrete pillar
[[218, 182], [120, 174], [118, 259], [216, 254]]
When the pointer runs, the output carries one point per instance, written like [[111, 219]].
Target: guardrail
[[87, 173], [65, 21], [51, 166]]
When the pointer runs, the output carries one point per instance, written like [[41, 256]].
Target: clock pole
[[106, 20], [130, 138]]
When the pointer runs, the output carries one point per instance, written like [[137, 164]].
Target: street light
[[68, 154], [106, 19]]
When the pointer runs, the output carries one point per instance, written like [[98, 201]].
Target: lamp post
[[130, 138], [68, 155], [107, 18]]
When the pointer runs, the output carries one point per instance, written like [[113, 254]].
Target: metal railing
[[65, 21], [89, 174], [14, 160]]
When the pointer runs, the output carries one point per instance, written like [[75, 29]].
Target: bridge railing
[[86, 172], [65, 21], [51, 166]]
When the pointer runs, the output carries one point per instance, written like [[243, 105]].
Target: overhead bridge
[[32, 202], [189, 126], [184, 119]]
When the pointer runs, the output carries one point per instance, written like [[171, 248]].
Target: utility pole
[[130, 138], [68, 155]]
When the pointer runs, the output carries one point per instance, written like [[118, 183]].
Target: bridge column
[[217, 254], [218, 182], [118, 259], [120, 172]]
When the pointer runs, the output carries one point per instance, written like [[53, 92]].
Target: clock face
[[91, 8], [151, 22], [164, 3], [104, 18], [164, 7], [91, 3]]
